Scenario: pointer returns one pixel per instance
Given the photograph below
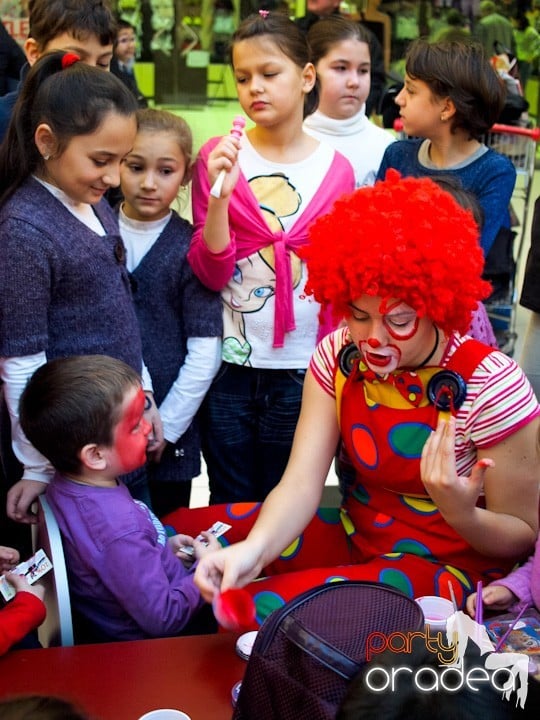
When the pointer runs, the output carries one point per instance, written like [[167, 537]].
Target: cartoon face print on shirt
[[277, 198], [389, 333], [253, 283]]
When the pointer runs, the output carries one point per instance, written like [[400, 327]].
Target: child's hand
[[224, 157], [9, 557], [21, 584], [210, 544], [176, 542], [494, 597]]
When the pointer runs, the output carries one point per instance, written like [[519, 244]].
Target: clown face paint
[[131, 433], [389, 333]]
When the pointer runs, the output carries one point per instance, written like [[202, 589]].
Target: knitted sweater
[[64, 290], [165, 288], [489, 176]]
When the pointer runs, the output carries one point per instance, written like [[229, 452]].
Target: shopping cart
[[518, 144]]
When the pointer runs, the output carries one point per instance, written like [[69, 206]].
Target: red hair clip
[[69, 59], [264, 14]]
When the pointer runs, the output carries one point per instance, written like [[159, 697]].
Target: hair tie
[[264, 14], [69, 59]]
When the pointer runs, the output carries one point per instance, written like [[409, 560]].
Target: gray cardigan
[[64, 289]]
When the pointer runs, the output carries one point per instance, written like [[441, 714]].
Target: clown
[[400, 262]]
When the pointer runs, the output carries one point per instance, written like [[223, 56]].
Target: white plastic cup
[[436, 611], [165, 714]]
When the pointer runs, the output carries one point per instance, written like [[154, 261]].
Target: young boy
[[127, 580], [123, 59], [85, 27]]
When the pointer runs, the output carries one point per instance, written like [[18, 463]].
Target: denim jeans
[[248, 421]]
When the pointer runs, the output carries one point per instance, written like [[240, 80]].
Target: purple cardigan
[[249, 232], [123, 576], [525, 581]]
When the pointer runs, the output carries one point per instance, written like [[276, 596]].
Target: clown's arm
[[291, 504]]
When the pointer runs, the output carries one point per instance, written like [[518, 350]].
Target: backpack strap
[[319, 649]]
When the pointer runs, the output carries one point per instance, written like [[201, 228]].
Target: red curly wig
[[404, 238]]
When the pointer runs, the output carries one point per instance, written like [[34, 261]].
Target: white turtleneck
[[360, 140]]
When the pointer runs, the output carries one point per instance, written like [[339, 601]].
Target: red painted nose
[[373, 342]]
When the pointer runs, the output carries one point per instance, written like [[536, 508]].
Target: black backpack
[[307, 652]]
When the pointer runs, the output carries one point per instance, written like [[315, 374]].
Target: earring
[[443, 118], [46, 157]]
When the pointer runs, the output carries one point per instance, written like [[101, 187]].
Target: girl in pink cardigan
[[278, 180]]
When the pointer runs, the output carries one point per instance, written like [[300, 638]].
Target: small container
[[436, 611], [165, 714], [244, 644], [235, 692]]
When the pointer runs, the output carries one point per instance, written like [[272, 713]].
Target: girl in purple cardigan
[[246, 244]]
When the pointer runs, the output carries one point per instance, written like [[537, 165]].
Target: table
[[122, 681]]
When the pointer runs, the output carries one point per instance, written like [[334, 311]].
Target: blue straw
[[512, 626]]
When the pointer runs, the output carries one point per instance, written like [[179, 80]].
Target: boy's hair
[[72, 101], [72, 402], [122, 24], [328, 31], [289, 39], [403, 238], [462, 72], [39, 707], [406, 700], [81, 18], [152, 120]]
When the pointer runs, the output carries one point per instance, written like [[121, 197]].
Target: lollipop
[[238, 125], [234, 609]]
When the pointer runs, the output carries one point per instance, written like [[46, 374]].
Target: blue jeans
[[248, 421]]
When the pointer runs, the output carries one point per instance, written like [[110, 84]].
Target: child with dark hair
[[39, 707], [451, 97], [246, 242], [65, 287], [85, 27], [340, 52], [407, 698], [126, 578], [123, 60], [183, 350]]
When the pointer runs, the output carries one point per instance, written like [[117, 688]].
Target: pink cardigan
[[250, 233]]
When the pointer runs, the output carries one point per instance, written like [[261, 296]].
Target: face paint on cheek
[[130, 446]]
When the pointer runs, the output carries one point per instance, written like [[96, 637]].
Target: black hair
[[462, 72], [72, 402], [333, 29], [39, 707], [72, 101], [81, 18], [289, 39]]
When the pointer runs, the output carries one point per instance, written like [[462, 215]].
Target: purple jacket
[[123, 576], [525, 581]]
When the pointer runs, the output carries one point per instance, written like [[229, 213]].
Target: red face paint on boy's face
[[131, 433]]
